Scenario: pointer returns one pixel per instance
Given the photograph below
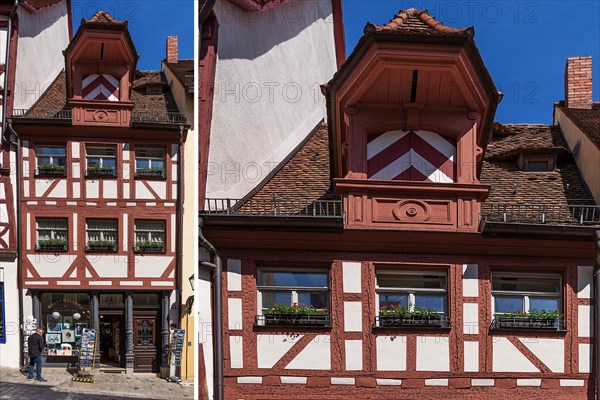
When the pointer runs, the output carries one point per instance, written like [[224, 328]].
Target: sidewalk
[[15, 385]]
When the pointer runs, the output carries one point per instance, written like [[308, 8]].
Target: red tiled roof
[[181, 69], [54, 99], [305, 176], [586, 120], [102, 17], [416, 21], [37, 4]]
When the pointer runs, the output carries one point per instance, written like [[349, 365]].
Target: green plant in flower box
[[402, 311], [53, 243], [532, 314], [150, 245], [295, 309]]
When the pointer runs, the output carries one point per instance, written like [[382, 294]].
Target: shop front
[[133, 327]]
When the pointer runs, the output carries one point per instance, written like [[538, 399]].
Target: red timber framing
[[348, 377], [77, 197]]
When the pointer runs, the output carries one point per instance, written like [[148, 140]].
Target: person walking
[[35, 343]]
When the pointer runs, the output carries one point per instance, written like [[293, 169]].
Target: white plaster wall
[[109, 266], [92, 189], [42, 38], [471, 318], [585, 277], [550, 351], [236, 348], [470, 280], [151, 266], [110, 189], [160, 188], [585, 358], [9, 351], [391, 353], [433, 353], [234, 275], [203, 306], [586, 154], [354, 355], [270, 348], [315, 356], [507, 358], [584, 320], [353, 316], [471, 356], [50, 266], [351, 277], [269, 69], [142, 192], [235, 313]]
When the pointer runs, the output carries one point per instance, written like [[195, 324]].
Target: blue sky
[[150, 22], [524, 44]]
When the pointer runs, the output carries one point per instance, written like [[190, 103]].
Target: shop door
[[146, 335]]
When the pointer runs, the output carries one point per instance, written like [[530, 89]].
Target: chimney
[[172, 50], [578, 82]]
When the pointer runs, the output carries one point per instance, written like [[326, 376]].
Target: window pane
[[141, 237], [272, 298], [100, 151], [389, 299], [317, 300], [93, 162], [109, 162], [417, 281], [158, 163], [44, 235], [152, 226], [505, 304], [110, 236], [59, 161], [94, 236], [431, 302], [549, 284], [47, 150], [60, 235], [43, 160], [150, 152], [543, 303], [157, 237], [52, 223], [142, 164], [294, 279]]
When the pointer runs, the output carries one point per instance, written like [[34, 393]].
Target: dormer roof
[[417, 21]]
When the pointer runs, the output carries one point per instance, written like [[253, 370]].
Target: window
[[537, 163], [150, 236], [101, 161], [150, 162], [2, 321], [305, 294], [101, 234], [52, 234], [412, 298], [51, 160], [524, 293]]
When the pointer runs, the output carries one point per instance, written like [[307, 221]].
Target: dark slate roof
[[181, 69], [305, 176], [54, 99], [510, 185], [586, 120], [417, 21]]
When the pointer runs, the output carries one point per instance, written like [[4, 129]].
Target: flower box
[[150, 247], [104, 247], [525, 323], [294, 320], [51, 170], [150, 173], [101, 172], [413, 321], [53, 245]]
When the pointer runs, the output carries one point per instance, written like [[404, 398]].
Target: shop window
[[51, 160], [150, 162], [292, 297], [528, 301], [52, 234], [145, 299], [2, 315], [411, 298], [101, 161], [65, 316], [101, 235], [150, 236]]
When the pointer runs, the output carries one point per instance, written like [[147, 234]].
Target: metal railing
[[189, 81], [275, 207], [165, 117], [541, 214], [60, 114]]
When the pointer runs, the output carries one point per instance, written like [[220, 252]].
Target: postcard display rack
[[177, 341], [29, 329], [87, 354]]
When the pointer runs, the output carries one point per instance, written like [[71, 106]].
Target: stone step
[[112, 370]]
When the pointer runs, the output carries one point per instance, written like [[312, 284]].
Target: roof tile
[[586, 120]]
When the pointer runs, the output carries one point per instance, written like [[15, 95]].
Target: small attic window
[[154, 90], [538, 163]]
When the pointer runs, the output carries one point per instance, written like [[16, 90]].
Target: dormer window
[[537, 163], [154, 90]]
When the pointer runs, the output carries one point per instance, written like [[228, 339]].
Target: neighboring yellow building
[[180, 76]]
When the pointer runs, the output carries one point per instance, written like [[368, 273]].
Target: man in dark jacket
[[35, 343]]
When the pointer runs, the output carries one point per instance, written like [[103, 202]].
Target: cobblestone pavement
[[15, 386]]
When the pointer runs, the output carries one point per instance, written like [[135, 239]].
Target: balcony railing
[[189, 82], [541, 214], [162, 118], [275, 207], [60, 114]]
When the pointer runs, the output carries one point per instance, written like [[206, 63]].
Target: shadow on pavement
[[41, 391]]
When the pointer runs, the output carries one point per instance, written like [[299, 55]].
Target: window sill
[[92, 249], [101, 175], [52, 249], [50, 173], [150, 175], [289, 321], [526, 324], [150, 250], [411, 323]]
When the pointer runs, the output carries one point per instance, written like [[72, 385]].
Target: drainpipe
[[13, 12], [180, 227], [19, 238], [217, 310], [597, 312]]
